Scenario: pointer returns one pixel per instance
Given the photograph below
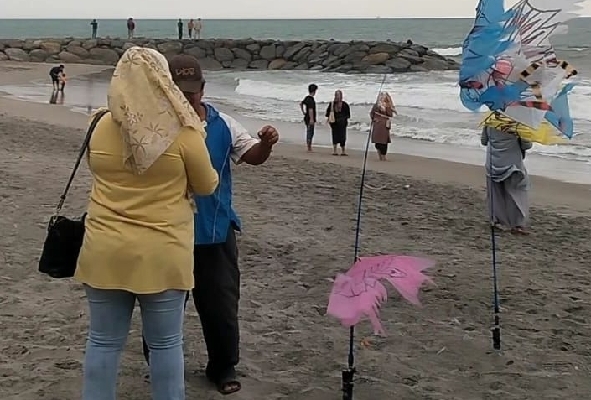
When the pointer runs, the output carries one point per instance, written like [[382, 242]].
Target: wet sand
[[292, 246]]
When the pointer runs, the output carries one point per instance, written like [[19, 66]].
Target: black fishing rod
[[348, 375]]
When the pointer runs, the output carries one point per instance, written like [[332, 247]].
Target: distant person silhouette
[[94, 26], [180, 27], [198, 28], [56, 73], [130, 28], [191, 26]]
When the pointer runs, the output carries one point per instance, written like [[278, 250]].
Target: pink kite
[[359, 292]]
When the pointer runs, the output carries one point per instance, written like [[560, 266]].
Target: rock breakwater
[[218, 54]]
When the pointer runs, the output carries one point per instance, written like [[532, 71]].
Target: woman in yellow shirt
[[147, 157]]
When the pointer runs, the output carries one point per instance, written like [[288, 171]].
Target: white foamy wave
[[449, 51], [432, 91]]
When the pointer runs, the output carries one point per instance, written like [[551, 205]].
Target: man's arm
[[245, 148]]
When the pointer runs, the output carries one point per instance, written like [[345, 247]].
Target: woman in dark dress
[[338, 114]]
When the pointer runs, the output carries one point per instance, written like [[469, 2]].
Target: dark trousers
[[216, 296]]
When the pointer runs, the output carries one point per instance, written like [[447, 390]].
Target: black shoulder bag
[[64, 235]]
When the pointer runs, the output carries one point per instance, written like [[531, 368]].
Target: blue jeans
[[110, 318]]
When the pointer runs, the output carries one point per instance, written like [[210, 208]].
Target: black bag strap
[[81, 153]]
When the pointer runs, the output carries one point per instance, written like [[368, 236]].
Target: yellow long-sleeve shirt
[[139, 228]]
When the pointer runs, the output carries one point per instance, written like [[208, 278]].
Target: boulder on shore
[[217, 54]]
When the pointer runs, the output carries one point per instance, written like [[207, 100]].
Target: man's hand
[[268, 135]]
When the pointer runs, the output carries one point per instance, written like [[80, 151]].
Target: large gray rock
[[242, 54], [16, 54], [107, 56], [277, 64], [77, 50], [258, 64], [170, 48], [38, 55], [3, 57], [338, 48], [268, 52], [377, 58], [384, 48], [399, 64], [30, 45], [293, 50], [223, 54], [89, 44], [51, 47], [210, 64], [253, 48], [196, 52], [434, 64], [239, 63], [127, 46], [12, 43], [69, 57]]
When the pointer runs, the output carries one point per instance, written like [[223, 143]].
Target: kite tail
[[349, 374]]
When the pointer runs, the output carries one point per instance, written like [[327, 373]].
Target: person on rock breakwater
[[180, 28], [94, 27], [217, 276], [308, 107]]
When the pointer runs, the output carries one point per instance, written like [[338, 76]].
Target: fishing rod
[[348, 375], [496, 328]]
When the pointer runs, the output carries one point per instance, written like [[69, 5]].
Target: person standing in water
[[55, 73], [381, 115], [191, 27], [94, 26], [180, 28], [198, 28], [338, 114], [507, 182], [308, 107]]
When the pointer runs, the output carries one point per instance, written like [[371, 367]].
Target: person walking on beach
[[381, 115], [180, 28], [55, 74], [507, 182], [139, 235], [308, 107], [191, 27], [217, 276], [94, 26], [130, 28], [198, 28], [338, 114]]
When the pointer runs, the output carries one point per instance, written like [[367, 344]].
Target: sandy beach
[[298, 213]]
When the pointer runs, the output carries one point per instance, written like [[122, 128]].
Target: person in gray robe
[[507, 180]]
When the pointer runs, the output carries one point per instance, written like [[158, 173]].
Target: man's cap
[[186, 73]]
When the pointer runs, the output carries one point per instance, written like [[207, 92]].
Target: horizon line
[[254, 19]]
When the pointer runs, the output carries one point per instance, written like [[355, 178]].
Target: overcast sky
[[242, 8]]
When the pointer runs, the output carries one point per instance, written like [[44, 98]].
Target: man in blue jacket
[[217, 277]]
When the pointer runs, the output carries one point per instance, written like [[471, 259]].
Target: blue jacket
[[215, 215]]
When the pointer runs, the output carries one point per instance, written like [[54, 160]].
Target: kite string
[[351, 358]]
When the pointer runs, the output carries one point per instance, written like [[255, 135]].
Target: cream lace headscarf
[[150, 108]]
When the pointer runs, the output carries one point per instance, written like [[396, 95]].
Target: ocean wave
[[431, 91], [449, 51]]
